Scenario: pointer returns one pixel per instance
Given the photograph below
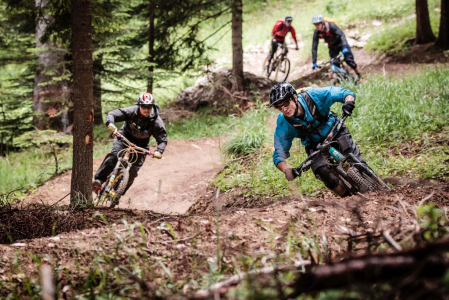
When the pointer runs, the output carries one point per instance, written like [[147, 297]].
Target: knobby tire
[[285, 63], [118, 187], [362, 184]]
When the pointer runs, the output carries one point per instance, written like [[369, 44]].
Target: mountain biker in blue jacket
[[300, 120], [335, 39]]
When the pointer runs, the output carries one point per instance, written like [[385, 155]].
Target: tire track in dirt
[[169, 185]]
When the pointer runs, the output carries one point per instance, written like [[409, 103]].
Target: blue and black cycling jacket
[[286, 132]]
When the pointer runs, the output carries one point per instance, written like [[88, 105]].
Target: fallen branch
[[223, 286], [376, 268]]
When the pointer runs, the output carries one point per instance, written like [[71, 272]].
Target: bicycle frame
[[341, 73], [122, 161], [341, 161]]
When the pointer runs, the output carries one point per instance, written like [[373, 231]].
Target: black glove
[[348, 107]]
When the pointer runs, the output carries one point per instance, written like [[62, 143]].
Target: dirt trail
[[169, 185]]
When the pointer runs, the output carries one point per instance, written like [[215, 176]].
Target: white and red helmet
[[145, 99]]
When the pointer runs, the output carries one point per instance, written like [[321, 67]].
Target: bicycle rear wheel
[[282, 70]]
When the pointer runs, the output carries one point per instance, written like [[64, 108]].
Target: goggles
[[146, 106], [283, 104]]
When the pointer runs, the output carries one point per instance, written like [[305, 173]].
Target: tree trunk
[[82, 97], [237, 50], [151, 38], [98, 70], [424, 33], [443, 36], [49, 101]]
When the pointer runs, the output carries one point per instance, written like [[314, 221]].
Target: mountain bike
[[280, 64], [115, 185], [355, 175], [340, 75]]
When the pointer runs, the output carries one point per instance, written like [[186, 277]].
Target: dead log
[[429, 261]]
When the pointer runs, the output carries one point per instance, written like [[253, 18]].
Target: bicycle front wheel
[[283, 70], [117, 188]]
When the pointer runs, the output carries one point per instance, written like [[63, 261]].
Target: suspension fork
[[116, 168]]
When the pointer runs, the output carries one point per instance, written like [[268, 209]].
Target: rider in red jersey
[[280, 30]]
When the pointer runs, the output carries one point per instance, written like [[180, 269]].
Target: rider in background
[[336, 40], [141, 121], [280, 30], [307, 116]]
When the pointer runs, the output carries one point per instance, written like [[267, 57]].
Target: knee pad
[[329, 179]]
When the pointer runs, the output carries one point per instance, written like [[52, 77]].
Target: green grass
[[391, 109], [202, 125], [32, 166]]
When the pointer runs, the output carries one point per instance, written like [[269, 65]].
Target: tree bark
[[82, 97], [151, 38], [98, 70], [237, 50], [424, 33], [49, 101], [443, 36]]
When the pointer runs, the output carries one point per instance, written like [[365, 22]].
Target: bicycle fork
[[121, 161]]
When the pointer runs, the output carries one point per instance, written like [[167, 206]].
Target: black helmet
[[288, 18], [280, 92]]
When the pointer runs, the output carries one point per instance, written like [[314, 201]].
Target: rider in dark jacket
[[141, 121], [336, 40]]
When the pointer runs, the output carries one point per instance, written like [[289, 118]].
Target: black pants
[[320, 167], [109, 162], [349, 57], [274, 48]]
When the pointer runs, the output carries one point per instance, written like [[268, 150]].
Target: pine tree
[[16, 69], [82, 98], [170, 28]]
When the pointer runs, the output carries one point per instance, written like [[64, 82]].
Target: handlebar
[[331, 61], [133, 146], [321, 147]]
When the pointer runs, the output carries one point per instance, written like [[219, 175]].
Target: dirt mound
[[222, 89], [209, 202]]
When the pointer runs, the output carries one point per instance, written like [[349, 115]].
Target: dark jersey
[[137, 128], [332, 35]]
